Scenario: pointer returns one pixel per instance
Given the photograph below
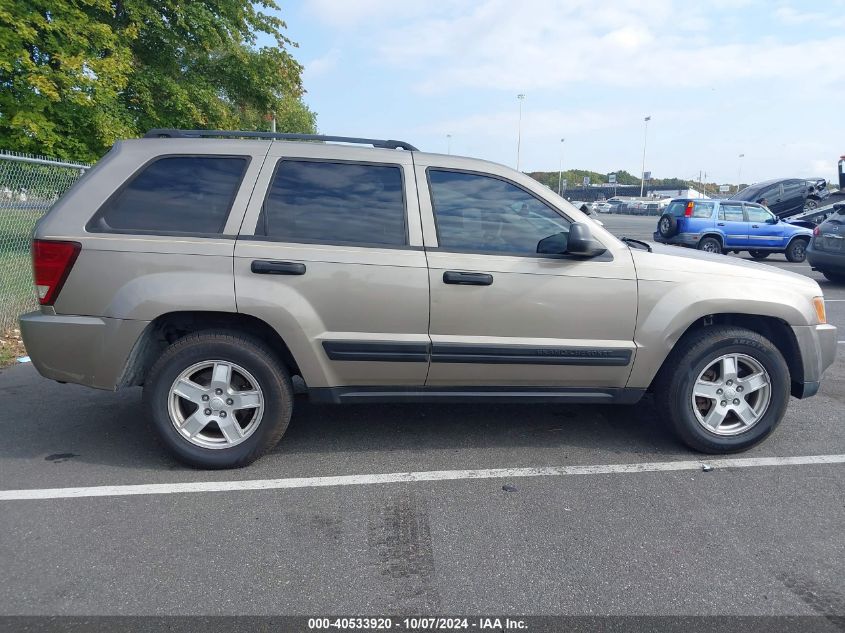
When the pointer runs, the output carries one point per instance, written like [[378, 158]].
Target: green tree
[[75, 75]]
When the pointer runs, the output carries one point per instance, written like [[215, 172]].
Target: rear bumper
[[90, 351], [818, 345], [682, 239], [825, 260]]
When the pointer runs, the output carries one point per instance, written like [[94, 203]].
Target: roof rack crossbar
[[174, 133]]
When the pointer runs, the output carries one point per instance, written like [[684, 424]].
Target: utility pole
[[645, 141], [520, 98], [560, 168], [274, 123], [448, 143], [739, 172]]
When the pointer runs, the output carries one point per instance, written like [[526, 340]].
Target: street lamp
[[739, 171], [520, 98], [645, 140], [448, 143], [560, 168]]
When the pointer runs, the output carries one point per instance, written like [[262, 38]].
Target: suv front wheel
[[218, 400], [723, 389], [796, 252]]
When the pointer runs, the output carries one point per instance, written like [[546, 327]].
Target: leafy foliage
[[75, 75], [575, 178]]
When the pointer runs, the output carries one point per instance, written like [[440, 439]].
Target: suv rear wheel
[[668, 225], [710, 245], [723, 389], [218, 400], [796, 252]]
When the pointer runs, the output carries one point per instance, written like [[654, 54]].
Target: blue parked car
[[721, 226]]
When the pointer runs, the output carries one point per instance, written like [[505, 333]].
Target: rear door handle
[[467, 279], [721, 224], [754, 226], [262, 267]]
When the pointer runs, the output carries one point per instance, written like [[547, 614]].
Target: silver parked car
[[213, 270]]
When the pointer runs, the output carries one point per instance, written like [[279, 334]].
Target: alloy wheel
[[731, 394], [215, 404]]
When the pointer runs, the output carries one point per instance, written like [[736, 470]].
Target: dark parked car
[[826, 251], [785, 196]]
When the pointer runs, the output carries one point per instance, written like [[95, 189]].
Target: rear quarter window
[[702, 209], [174, 194]]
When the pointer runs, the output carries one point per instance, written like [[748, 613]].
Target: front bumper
[[818, 345], [90, 351]]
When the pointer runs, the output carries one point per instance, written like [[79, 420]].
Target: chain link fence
[[29, 185]]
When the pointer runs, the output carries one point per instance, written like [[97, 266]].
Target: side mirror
[[579, 241], [773, 220]]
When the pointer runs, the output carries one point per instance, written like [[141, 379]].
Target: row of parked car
[[722, 226], [785, 197]]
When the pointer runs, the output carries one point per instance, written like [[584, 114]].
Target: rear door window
[[174, 194], [327, 202], [794, 189], [731, 213]]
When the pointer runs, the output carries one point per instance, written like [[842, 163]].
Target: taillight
[[51, 264], [688, 210], [817, 230]]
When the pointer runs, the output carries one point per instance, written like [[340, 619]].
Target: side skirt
[[346, 395]]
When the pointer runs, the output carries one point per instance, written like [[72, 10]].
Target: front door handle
[[467, 279], [720, 224], [262, 267], [754, 226]]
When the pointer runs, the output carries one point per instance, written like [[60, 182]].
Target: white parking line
[[409, 477]]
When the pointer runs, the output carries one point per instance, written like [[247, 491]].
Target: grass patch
[[11, 347]]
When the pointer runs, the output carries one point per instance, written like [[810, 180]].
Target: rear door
[[502, 315], [731, 222], [330, 255], [763, 231], [794, 196]]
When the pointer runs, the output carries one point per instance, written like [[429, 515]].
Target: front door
[[502, 315], [763, 231], [330, 255]]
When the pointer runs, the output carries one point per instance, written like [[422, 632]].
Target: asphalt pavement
[[761, 539]]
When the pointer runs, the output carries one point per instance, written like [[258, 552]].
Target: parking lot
[[437, 509]]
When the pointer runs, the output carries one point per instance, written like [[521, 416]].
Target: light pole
[[560, 168], [645, 141], [520, 98], [739, 172], [448, 143]]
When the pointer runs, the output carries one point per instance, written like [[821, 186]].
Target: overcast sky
[[761, 78]]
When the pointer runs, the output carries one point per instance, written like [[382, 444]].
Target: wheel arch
[[168, 328], [772, 328], [713, 234]]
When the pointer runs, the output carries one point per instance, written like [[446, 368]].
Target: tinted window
[[731, 213], [794, 188], [757, 214], [481, 213], [183, 194], [770, 195], [314, 201], [677, 208]]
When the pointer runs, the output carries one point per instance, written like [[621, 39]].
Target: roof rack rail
[[174, 133]]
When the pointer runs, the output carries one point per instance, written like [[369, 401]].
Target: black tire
[[271, 376], [838, 278], [811, 203], [759, 254], [710, 245], [667, 225], [674, 383], [796, 251]]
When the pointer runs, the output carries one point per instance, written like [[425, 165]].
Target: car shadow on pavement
[[44, 420]]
